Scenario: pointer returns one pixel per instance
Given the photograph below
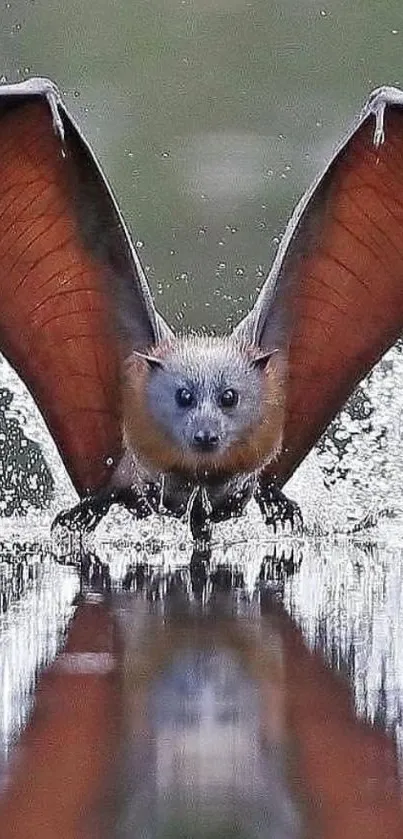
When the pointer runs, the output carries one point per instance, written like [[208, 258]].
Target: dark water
[[234, 714]]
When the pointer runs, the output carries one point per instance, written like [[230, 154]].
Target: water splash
[[352, 478]]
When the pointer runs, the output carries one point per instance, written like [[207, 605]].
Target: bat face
[[205, 395], [205, 400]]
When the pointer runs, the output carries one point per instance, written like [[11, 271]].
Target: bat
[[190, 426]]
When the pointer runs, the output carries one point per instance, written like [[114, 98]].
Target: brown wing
[[70, 282], [335, 294]]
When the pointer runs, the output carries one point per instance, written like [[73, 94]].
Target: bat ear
[[153, 362], [262, 360]]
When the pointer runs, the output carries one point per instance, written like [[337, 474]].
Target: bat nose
[[205, 440]]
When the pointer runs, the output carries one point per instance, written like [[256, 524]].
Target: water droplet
[[323, 13], [165, 154], [139, 244], [109, 461], [221, 243], [76, 94], [172, 252], [239, 272], [395, 31]]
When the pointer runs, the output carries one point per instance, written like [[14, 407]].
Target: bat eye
[[229, 398], [184, 397]]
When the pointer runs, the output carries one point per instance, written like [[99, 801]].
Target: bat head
[[207, 400]]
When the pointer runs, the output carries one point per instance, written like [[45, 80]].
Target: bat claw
[[84, 517], [277, 509]]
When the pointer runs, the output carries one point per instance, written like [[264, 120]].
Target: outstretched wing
[[334, 298], [74, 298]]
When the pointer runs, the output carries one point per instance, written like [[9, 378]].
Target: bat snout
[[206, 440]]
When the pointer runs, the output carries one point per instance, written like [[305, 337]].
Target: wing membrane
[[335, 294], [73, 295]]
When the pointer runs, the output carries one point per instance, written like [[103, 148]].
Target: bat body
[[178, 424], [201, 412]]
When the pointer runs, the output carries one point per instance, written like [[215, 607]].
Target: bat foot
[[277, 509], [83, 517], [86, 515], [140, 503]]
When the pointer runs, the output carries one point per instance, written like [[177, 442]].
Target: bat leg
[[200, 519], [276, 507], [86, 515], [217, 504]]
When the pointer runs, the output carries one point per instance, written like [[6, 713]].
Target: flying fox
[[192, 426]]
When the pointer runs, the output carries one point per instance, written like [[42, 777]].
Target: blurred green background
[[210, 117]]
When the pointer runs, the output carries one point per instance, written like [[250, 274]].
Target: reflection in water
[[227, 722], [36, 598], [349, 603], [346, 598], [209, 771], [59, 782], [286, 756]]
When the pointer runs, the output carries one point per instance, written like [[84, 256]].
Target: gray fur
[[206, 367]]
